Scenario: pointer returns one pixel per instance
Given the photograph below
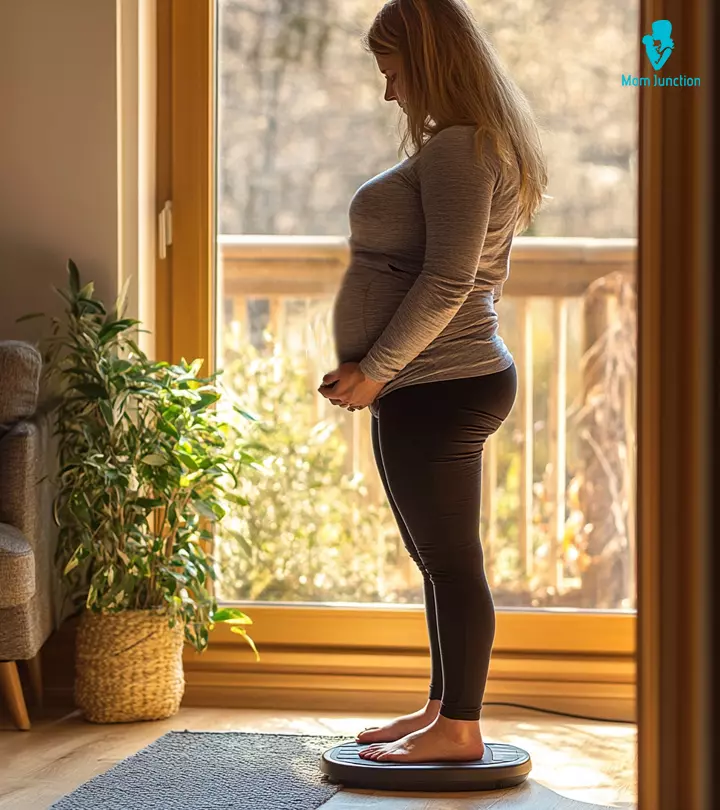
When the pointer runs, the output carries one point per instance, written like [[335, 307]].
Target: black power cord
[[554, 711]]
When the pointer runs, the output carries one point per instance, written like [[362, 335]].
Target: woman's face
[[390, 66]]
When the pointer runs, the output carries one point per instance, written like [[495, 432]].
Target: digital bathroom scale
[[501, 766]]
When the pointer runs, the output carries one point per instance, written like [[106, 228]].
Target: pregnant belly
[[365, 304]]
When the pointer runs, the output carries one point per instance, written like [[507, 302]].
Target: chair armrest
[[21, 468], [17, 568]]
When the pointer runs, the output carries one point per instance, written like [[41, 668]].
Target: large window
[[301, 123], [270, 117]]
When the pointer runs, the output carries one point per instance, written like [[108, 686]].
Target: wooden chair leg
[[34, 666], [12, 690]]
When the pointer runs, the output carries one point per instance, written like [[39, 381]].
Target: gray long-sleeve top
[[429, 253]]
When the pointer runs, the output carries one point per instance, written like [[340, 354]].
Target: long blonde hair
[[452, 74]]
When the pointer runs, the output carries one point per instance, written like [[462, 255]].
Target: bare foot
[[443, 740], [401, 726]]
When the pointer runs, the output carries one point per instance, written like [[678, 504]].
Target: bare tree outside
[[303, 123]]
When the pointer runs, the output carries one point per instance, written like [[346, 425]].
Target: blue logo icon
[[659, 44]]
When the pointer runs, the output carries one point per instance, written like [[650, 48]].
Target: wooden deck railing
[[280, 268]]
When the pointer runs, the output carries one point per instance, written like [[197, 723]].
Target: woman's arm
[[456, 193]]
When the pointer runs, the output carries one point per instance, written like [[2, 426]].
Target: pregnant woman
[[417, 340]]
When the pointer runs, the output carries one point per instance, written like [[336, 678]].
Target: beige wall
[[58, 152]]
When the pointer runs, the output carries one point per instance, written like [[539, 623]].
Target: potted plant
[[146, 460]]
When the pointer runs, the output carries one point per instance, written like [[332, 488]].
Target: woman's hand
[[352, 389]]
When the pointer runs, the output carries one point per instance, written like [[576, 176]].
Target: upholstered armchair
[[28, 588]]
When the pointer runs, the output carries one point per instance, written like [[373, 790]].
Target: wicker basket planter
[[128, 666]]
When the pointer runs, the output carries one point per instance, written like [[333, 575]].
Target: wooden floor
[[577, 765]]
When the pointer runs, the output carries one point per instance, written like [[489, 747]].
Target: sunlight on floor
[[577, 765], [587, 762]]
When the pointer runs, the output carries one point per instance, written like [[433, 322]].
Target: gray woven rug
[[209, 770]]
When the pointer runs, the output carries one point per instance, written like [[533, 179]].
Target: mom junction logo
[[659, 46]]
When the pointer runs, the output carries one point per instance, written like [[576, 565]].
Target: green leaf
[[138, 351], [205, 401], [203, 509], [84, 371], [233, 497], [72, 562], [148, 503], [154, 460], [90, 390], [90, 305], [113, 328], [244, 413], [107, 413], [185, 393], [196, 365], [243, 632], [30, 316], [74, 275], [187, 460], [234, 615]]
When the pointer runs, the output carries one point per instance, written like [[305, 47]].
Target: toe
[[365, 733]]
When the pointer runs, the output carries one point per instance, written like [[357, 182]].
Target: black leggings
[[428, 440]]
